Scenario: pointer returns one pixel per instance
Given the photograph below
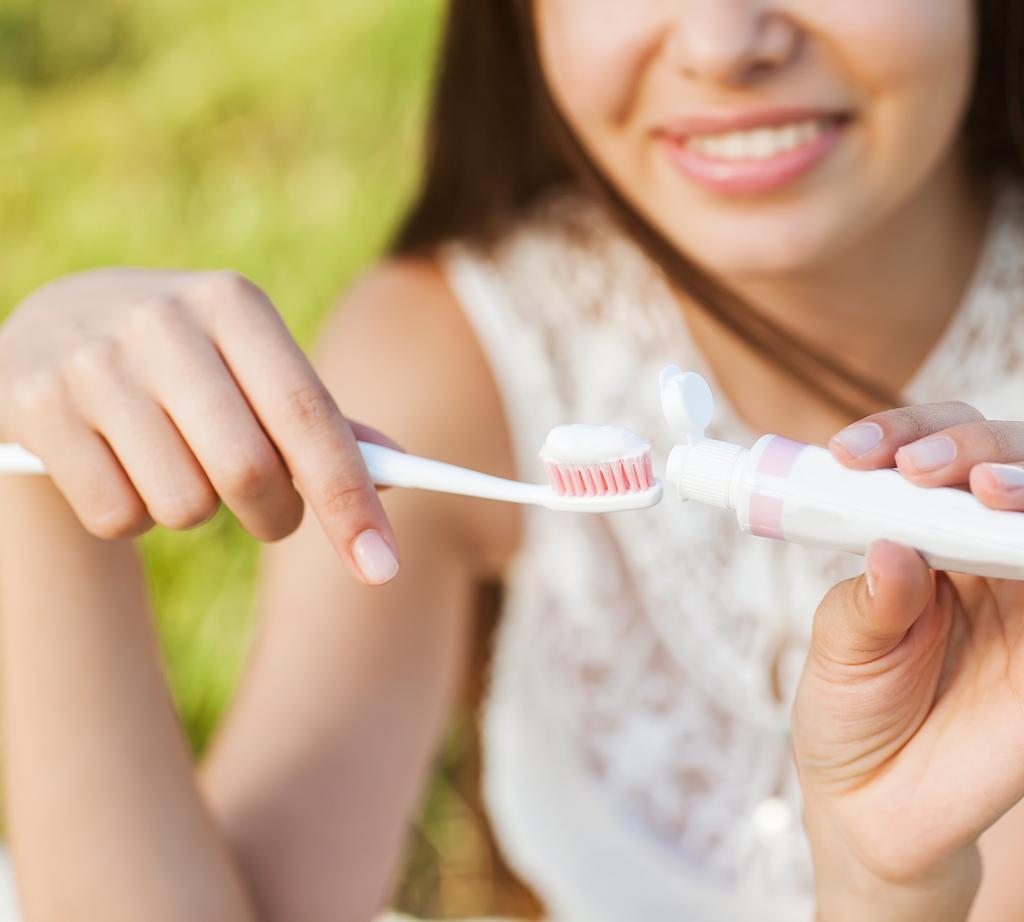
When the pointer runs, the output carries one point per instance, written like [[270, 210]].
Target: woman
[[798, 199]]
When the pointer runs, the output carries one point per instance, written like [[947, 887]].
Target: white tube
[[786, 490]]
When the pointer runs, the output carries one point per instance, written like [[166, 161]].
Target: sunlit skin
[[907, 726], [899, 72]]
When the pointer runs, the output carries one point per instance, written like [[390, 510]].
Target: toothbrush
[[589, 469], [786, 490]]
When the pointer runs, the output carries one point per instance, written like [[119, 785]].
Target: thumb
[[864, 619]]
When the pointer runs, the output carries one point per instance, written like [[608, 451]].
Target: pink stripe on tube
[[766, 516], [778, 456]]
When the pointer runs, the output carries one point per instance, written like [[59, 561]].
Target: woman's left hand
[[909, 721]]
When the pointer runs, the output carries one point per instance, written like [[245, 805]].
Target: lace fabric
[[637, 756]]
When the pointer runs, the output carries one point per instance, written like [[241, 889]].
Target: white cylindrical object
[[794, 492], [16, 460], [703, 472]]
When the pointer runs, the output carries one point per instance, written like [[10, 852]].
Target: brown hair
[[496, 143]]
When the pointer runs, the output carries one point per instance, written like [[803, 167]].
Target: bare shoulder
[[399, 355]]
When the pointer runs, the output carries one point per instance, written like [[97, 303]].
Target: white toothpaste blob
[[584, 460], [581, 443]]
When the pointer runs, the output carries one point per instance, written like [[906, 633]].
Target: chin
[[759, 246]]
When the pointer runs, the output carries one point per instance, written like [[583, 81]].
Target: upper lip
[[722, 121]]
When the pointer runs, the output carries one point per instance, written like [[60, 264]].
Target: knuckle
[[285, 523], [94, 360], [920, 420], [250, 475], [964, 410], [186, 510], [227, 289], [117, 520], [156, 315], [999, 440], [917, 420], [341, 498], [311, 406], [38, 394]]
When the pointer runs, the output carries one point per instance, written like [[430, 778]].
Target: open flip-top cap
[[687, 403]]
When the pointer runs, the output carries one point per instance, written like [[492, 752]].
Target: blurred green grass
[[282, 140], [276, 138]]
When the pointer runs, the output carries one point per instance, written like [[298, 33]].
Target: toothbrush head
[[598, 469]]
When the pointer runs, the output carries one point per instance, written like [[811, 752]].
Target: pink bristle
[[624, 475], [555, 478]]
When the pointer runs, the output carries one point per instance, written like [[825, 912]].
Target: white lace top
[[637, 759]]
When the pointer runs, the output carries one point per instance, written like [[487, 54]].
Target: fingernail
[[931, 454], [869, 574], [1009, 476], [375, 559], [860, 439]]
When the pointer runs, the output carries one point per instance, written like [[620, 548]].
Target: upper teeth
[[759, 143]]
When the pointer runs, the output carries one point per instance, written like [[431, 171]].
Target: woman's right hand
[[152, 396]]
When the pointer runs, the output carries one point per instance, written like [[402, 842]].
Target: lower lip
[[740, 177]]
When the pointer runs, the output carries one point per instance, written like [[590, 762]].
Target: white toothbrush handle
[[15, 460], [390, 468], [387, 467]]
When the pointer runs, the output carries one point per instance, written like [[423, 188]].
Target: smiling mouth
[[761, 143], [758, 153]]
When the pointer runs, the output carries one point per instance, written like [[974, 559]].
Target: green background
[[277, 138]]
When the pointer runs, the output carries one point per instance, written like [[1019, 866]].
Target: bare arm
[[313, 779], [330, 742], [105, 819]]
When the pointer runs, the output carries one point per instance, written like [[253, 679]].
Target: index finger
[[304, 422], [873, 441]]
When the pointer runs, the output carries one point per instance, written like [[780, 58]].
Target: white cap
[[702, 468], [704, 471], [687, 403]]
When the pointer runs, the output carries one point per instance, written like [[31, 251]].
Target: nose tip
[[728, 42]]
